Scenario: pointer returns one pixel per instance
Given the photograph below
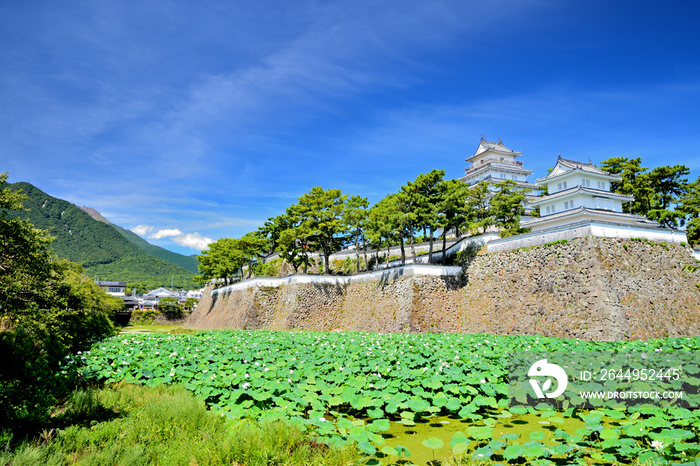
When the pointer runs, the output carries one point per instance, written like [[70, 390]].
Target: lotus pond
[[403, 398]]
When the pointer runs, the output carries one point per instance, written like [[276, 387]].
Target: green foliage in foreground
[[132, 424], [48, 309], [350, 387]]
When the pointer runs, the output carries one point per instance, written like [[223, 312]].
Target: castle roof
[[490, 146], [565, 166], [580, 213], [573, 191]]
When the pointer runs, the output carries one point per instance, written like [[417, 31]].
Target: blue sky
[[187, 121]]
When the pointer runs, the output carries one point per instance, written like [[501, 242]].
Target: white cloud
[[193, 240], [166, 232], [142, 230]]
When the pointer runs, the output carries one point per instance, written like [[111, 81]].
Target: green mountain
[[101, 248], [186, 262]]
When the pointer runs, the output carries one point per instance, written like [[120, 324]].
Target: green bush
[[31, 352], [269, 269], [143, 316], [170, 308]]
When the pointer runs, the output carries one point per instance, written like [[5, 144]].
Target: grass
[[133, 424]]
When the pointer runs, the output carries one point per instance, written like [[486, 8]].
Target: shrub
[[269, 269], [170, 308], [143, 316]]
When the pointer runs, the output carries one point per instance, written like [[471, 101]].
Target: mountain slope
[[186, 262], [102, 250]]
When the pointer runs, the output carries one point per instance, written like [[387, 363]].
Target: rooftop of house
[[108, 283]]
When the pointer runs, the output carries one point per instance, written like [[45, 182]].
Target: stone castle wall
[[588, 288]]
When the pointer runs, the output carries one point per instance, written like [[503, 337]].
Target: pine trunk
[[364, 253], [430, 249], [357, 250], [403, 253], [444, 244]]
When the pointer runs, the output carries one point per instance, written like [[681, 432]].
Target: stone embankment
[[588, 288]]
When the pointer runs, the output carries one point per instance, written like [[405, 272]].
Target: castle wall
[[589, 288]]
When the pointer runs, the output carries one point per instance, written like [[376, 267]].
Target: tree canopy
[[659, 194], [325, 220]]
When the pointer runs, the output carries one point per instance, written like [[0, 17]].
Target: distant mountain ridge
[[186, 262], [104, 249]]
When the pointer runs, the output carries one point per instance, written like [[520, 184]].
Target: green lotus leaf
[[367, 447], [458, 437], [460, 448], [417, 405], [453, 405], [482, 453], [433, 443], [513, 452], [519, 410], [380, 425], [609, 434]]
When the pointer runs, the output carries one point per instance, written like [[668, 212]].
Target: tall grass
[[133, 425]]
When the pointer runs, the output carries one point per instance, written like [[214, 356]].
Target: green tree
[[271, 231], [430, 189], [222, 261], [385, 225], [191, 303], [479, 216], [657, 194], [634, 182], [407, 200], [321, 211], [690, 207], [355, 219], [669, 186], [453, 209], [297, 241], [227, 256], [507, 207], [28, 269], [48, 310], [76, 291], [170, 308], [252, 248]]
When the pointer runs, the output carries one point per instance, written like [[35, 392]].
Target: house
[[152, 298], [113, 288], [493, 162]]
